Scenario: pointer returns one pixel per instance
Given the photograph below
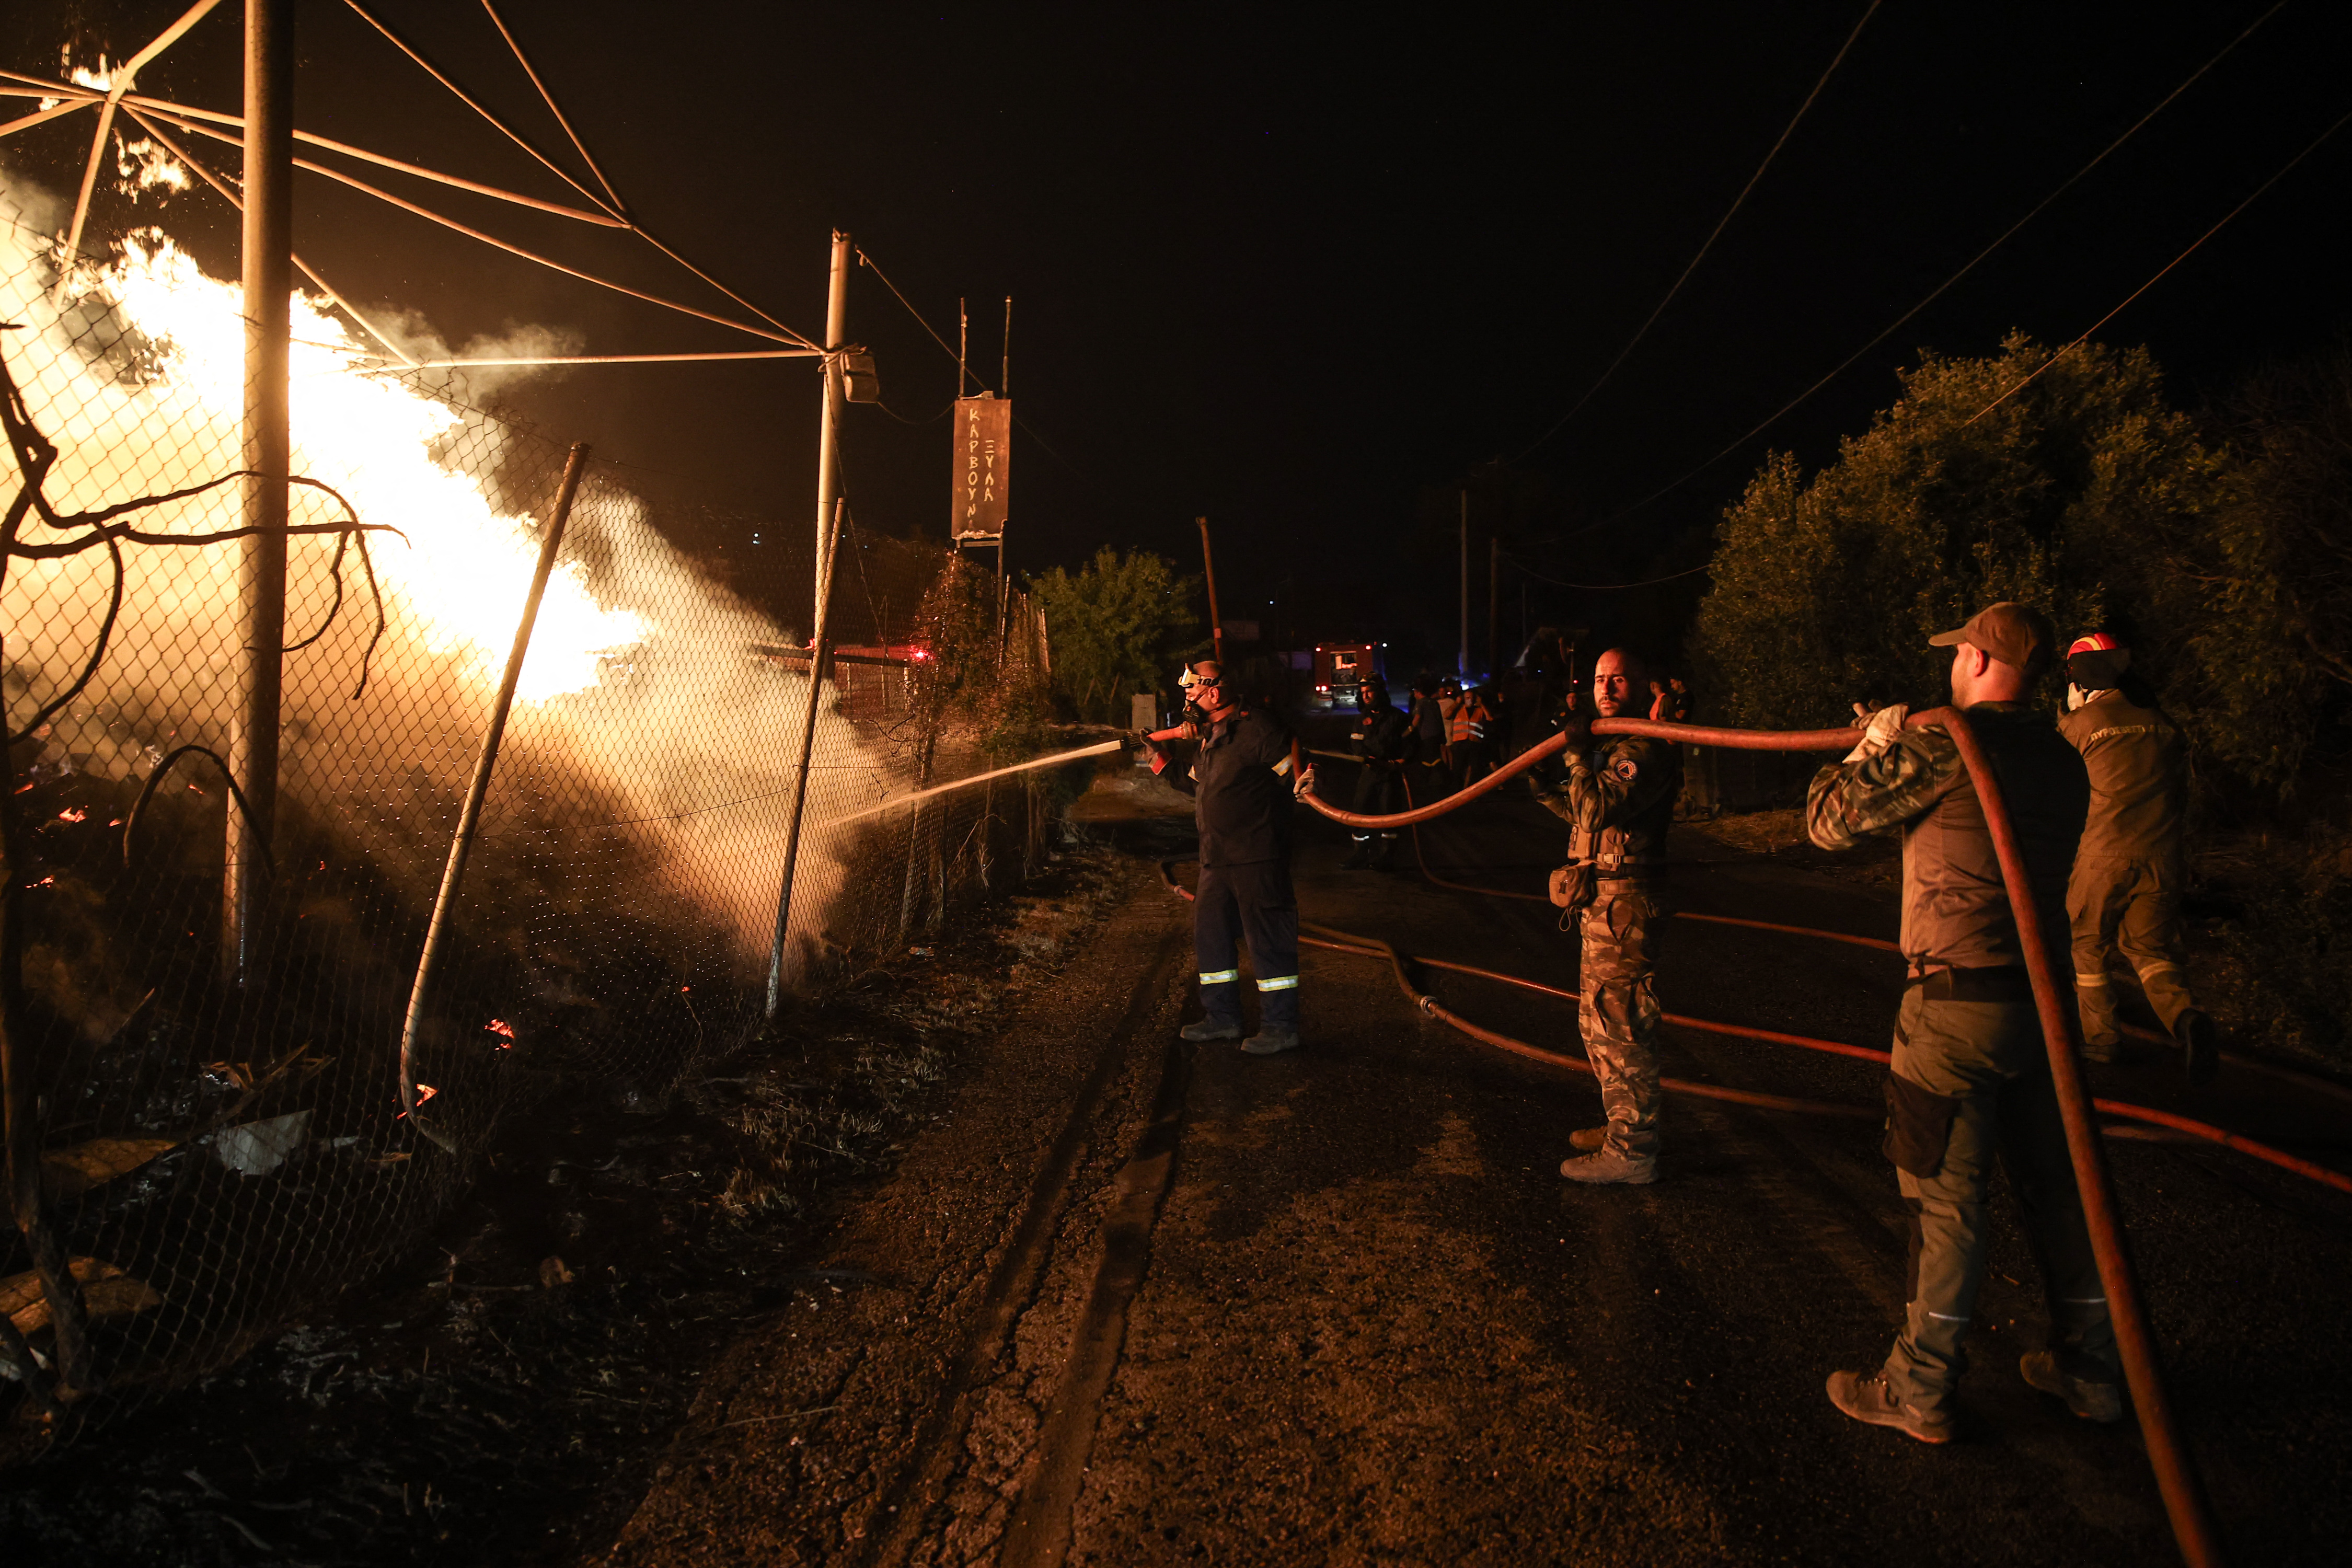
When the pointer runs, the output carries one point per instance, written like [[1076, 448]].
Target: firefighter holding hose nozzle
[[1969, 1082], [1240, 779], [1619, 799]]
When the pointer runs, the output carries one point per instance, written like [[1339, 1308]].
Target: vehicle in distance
[[1340, 667]]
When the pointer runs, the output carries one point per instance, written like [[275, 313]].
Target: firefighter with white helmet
[[1243, 774]]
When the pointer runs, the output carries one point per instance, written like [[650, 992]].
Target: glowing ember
[[501, 1026]]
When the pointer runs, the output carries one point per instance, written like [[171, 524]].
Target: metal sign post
[[268, 253]]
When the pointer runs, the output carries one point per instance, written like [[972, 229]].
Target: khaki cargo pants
[[1617, 1011], [2133, 905], [1970, 1082]]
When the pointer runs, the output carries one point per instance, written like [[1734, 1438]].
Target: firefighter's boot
[[1385, 853], [1873, 1400], [1360, 856], [1611, 1167], [1278, 1026], [1211, 1028]]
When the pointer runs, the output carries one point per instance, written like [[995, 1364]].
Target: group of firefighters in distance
[[2098, 801]]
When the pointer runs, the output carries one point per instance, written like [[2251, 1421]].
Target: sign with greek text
[[984, 451]]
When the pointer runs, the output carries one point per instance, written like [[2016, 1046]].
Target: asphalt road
[[1131, 1302]]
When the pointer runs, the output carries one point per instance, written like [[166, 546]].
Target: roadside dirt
[[504, 1394]]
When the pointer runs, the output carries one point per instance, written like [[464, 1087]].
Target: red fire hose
[[2176, 1474], [2198, 1129]]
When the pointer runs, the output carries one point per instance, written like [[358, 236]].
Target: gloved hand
[[1879, 729], [1579, 731], [1303, 785]]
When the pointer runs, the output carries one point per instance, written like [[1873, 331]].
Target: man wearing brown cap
[[1970, 1078], [2131, 867]]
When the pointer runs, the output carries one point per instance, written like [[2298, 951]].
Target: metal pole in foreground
[[269, 259], [469, 816], [1209, 571], [828, 445], [819, 648]]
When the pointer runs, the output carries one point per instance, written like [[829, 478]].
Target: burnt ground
[[1092, 1296], [502, 1393]]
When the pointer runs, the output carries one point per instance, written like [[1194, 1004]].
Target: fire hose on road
[[2176, 1474]]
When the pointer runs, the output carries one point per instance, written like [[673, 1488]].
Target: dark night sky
[[1301, 268]]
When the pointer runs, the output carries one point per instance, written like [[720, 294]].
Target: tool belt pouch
[[1573, 885], [1919, 1126]]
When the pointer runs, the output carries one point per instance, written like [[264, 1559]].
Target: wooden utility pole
[[269, 263], [1209, 573]]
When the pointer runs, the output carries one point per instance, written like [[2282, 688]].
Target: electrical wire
[[2168, 267], [865, 260], [1712, 234], [1607, 587], [1940, 289]]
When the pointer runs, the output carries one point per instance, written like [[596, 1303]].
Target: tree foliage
[[1115, 625], [2223, 556]]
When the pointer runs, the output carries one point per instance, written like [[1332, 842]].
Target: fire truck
[[1341, 666]]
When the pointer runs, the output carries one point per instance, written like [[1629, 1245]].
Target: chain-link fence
[[214, 1157]]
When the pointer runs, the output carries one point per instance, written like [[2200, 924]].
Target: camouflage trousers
[[1617, 1009], [1969, 1088]]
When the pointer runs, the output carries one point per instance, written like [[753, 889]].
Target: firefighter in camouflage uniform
[[1618, 798], [1969, 1082]]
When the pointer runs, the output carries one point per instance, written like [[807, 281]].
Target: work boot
[[1608, 1167], [1589, 1140], [1211, 1029], [1873, 1400], [1385, 853], [2113, 1052], [2100, 1401], [1359, 857], [2200, 1046], [1271, 1040]]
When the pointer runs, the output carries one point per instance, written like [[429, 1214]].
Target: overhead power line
[[865, 260], [1606, 587], [2308, 150], [1623, 354], [1940, 289]]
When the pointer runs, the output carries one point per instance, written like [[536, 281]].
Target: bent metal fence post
[[469, 816], [820, 651], [193, 1164]]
